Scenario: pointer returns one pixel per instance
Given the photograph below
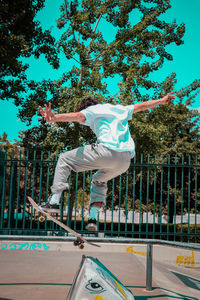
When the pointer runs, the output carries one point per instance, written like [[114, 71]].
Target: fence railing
[[158, 197]]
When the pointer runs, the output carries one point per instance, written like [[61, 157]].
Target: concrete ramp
[[94, 281]]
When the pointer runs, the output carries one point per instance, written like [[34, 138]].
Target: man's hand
[[152, 103], [47, 113], [166, 99]]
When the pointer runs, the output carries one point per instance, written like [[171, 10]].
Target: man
[[111, 154]]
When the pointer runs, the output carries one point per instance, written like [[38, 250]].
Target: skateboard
[[79, 239]]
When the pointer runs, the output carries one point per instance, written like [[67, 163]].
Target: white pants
[[109, 164]]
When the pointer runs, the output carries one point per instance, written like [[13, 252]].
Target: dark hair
[[87, 101]]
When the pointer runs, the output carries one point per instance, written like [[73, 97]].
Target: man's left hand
[[166, 99]]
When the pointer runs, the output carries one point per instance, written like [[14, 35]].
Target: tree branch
[[68, 54], [89, 49]]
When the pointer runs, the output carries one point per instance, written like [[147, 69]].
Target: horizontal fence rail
[[157, 198]]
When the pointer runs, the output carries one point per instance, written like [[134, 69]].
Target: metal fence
[[157, 198]]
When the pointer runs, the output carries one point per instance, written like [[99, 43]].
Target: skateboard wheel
[[81, 246], [76, 243], [41, 218]]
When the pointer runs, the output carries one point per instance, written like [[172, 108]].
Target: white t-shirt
[[110, 124]]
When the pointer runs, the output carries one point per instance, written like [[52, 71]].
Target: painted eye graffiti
[[94, 287]]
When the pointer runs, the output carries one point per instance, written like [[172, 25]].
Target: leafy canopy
[[21, 37], [135, 48]]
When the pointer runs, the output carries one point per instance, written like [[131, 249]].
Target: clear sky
[[186, 62]]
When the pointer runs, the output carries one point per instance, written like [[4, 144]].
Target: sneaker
[[47, 207], [52, 205], [92, 225]]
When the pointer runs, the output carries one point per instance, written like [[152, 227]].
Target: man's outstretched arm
[[51, 117], [152, 103]]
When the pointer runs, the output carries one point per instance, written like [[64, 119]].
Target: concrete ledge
[[179, 254], [102, 240]]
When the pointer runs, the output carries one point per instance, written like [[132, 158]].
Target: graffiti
[[111, 281], [3, 247], [24, 246], [95, 282], [130, 250], [120, 289], [186, 260], [94, 287], [102, 274]]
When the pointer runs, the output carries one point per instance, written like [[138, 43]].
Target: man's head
[[87, 101]]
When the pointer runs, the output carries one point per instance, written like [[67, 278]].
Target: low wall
[[164, 254]]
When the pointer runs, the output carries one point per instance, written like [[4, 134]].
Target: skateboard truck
[[78, 242]]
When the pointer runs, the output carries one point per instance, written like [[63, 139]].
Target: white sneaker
[[92, 226]]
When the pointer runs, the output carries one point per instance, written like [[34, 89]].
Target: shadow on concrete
[[164, 296], [169, 294], [34, 283]]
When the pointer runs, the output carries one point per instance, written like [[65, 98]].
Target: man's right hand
[[47, 113]]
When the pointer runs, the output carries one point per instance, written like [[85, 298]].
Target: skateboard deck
[[79, 241]]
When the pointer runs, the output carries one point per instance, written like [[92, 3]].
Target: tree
[[10, 156], [137, 50], [21, 36], [9, 147], [171, 129]]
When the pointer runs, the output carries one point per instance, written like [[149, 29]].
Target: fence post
[[2, 165], [149, 267], [2, 185]]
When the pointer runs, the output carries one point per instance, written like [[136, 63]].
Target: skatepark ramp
[[44, 243], [59, 270]]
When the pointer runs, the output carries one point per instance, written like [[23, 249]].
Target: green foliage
[[21, 37], [136, 50], [137, 47], [10, 148], [171, 129]]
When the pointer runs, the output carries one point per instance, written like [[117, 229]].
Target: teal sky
[[186, 62]]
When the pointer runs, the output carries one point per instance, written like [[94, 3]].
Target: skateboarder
[[110, 155]]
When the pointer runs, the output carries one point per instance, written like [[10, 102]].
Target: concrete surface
[[45, 271]]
